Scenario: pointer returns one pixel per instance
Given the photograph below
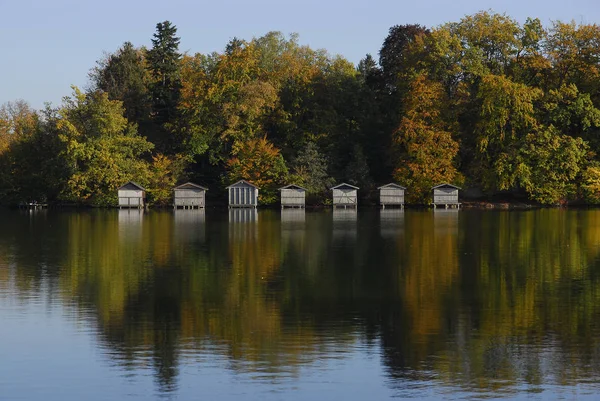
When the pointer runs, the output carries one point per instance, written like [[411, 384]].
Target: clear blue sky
[[48, 45]]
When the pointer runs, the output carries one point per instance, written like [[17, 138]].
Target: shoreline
[[469, 205]]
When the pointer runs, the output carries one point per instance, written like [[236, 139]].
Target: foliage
[[573, 53], [507, 108], [164, 66], [490, 41], [573, 113], [591, 184], [260, 163], [30, 166], [395, 52], [506, 116], [17, 121], [427, 149], [357, 170], [549, 164], [164, 173], [125, 77], [310, 171], [102, 149]]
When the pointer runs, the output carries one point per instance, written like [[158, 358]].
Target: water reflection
[[446, 220], [391, 222], [242, 215], [345, 224], [293, 231], [190, 225], [426, 285], [482, 303], [293, 218], [130, 224]]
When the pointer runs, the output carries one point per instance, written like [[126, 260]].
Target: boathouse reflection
[[391, 222], [189, 225], [344, 225]]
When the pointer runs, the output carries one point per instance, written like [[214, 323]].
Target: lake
[[295, 305]]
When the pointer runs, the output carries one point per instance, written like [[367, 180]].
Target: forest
[[503, 109]]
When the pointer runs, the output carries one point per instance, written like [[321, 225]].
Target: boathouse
[[242, 194], [445, 195], [293, 196], [345, 195], [189, 196], [131, 195], [391, 195]]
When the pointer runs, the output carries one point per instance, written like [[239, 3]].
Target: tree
[[123, 75], [32, 167], [520, 150], [374, 119], [369, 70], [427, 149], [506, 116], [26, 155], [310, 171], [259, 162], [548, 165], [572, 113], [393, 55], [194, 125], [334, 110], [490, 41], [573, 52], [164, 172], [102, 149], [222, 101], [164, 65], [530, 65], [17, 120], [506, 107], [357, 171], [245, 117], [591, 184]]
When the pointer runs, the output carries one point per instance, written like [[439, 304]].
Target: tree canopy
[[509, 108]]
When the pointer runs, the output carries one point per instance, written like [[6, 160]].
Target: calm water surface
[[123, 305]]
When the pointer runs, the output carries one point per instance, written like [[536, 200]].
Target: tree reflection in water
[[482, 301]]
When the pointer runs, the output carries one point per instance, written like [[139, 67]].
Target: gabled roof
[[292, 186], [240, 182], [343, 184], [188, 185], [446, 185], [138, 186], [392, 185]]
